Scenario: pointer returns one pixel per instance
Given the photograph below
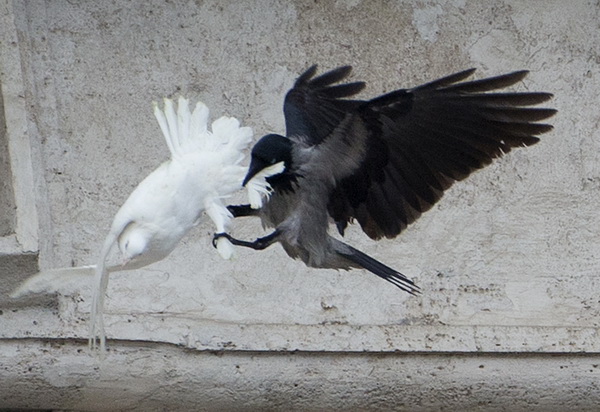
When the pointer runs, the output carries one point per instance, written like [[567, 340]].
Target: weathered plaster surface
[[164, 378], [508, 260]]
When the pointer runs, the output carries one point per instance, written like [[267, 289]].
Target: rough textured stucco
[[18, 193], [176, 380], [7, 198], [507, 261]]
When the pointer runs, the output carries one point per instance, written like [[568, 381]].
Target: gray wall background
[[507, 261]]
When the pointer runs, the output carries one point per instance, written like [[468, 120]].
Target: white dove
[[204, 168]]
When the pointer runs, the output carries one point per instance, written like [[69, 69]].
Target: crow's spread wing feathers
[[424, 139], [418, 141], [314, 108]]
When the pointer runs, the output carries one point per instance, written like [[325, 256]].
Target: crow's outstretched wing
[[314, 108], [422, 140], [417, 142]]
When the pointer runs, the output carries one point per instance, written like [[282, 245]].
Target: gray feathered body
[[300, 214]]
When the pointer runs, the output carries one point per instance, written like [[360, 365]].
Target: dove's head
[[133, 243]]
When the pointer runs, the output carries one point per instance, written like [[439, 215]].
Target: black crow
[[381, 162]]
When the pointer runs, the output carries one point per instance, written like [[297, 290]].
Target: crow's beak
[[254, 168]]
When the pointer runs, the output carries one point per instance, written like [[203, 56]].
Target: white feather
[[258, 188], [172, 123], [162, 122], [53, 280], [183, 121], [199, 123]]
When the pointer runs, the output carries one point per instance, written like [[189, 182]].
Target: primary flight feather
[[381, 162]]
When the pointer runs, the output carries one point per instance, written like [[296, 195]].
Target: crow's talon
[[218, 236]]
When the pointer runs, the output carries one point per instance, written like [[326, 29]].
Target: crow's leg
[[259, 244], [242, 210]]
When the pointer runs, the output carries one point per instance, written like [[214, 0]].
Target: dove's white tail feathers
[[97, 333], [164, 127], [53, 280], [187, 132]]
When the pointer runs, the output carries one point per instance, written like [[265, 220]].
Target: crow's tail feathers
[[385, 272]]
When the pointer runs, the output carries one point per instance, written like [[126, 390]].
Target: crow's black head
[[269, 150]]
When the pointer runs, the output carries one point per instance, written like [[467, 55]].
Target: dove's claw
[[218, 236]]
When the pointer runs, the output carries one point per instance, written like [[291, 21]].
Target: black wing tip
[[446, 80], [537, 113], [512, 77], [331, 76], [307, 75], [487, 83], [342, 70], [463, 74], [456, 81], [517, 74], [466, 73], [544, 97], [345, 90], [325, 83], [544, 128]]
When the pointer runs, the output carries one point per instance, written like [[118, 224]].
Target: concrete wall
[[507, 261], [7, 197]]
